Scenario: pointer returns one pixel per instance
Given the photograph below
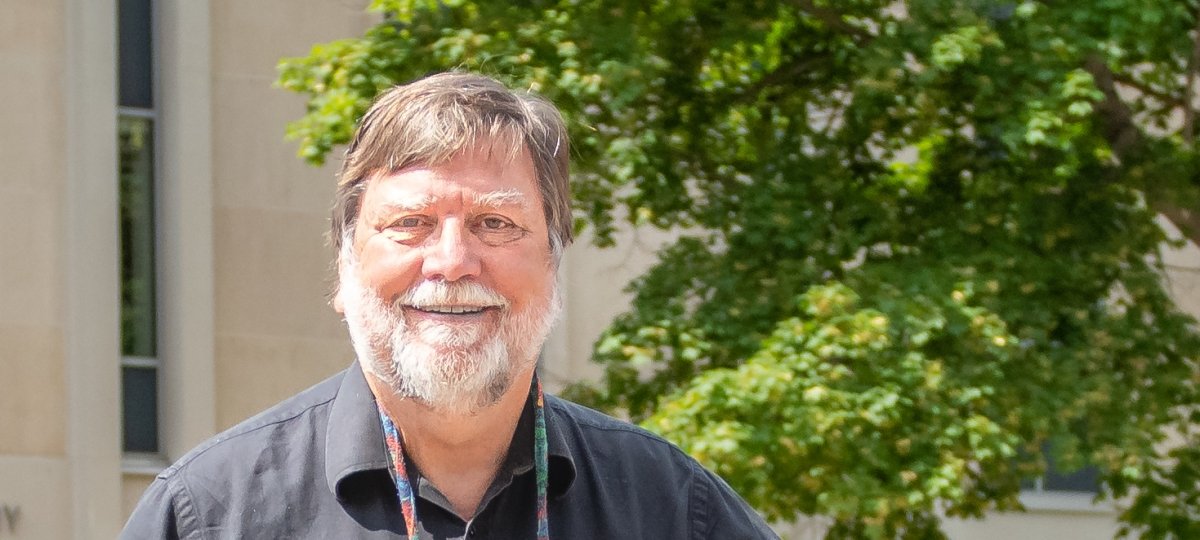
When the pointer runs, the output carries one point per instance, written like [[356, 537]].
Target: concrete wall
[[1048, 524], [49, 418], [593, 282], [32, 52], [273, 329]]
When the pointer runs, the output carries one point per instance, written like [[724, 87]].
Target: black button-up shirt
[[315, 466]]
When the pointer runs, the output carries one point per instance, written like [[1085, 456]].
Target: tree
[[917, 240]]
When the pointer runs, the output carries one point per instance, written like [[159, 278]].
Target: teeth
[[457, 310]]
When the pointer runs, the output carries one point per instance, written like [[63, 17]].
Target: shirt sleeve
[[160, 514], [717, 512]]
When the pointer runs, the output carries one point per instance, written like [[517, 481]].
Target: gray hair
[[432, 120]]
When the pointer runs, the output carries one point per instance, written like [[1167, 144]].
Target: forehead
[[486, 176]]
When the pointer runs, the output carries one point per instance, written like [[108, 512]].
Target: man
[[452, 213]]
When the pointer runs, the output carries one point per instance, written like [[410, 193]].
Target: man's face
[[448, 285]]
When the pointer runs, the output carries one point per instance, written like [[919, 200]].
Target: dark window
[[136, 147], [1085, 479], [139, 393], [136, 176], [135, 55]]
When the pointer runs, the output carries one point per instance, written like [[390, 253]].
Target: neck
[[458, 454]]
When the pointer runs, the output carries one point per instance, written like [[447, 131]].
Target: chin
[[452, 380]]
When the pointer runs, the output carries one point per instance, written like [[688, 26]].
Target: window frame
[[1038, 498], [133, 461], [182, 33]]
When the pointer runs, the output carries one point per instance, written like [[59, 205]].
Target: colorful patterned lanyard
[[404, 489]]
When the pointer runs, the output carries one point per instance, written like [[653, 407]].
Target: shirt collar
[[561, 459], [354, 439]]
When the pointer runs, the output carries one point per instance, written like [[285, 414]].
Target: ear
[[337, 303], [336, 299]]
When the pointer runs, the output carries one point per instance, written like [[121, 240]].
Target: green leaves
[[962, 46], [921, 236], [869, 426]]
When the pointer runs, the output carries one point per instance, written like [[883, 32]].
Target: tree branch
[[1174, 101], [784, 74], [833, 19], [1189, 114], [1124, 137], [1115, 115], [1187, 220]]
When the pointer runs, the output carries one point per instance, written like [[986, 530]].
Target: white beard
[[453, 368]]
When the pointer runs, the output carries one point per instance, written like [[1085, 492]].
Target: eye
[[496, 229], [408, 229], [409, 222], [494, 223]]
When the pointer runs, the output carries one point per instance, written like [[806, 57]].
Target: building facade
[[111, 366]]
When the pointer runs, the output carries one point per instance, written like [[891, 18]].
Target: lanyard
[[404, 488]]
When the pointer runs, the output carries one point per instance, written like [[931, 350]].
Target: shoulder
[[673, 492], [589, 426], [600, 446], [236, 468], [302, 416]]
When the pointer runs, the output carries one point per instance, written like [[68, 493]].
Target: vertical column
[[90, 298], [186, 226]]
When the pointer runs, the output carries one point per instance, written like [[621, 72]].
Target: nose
[[449, 256]]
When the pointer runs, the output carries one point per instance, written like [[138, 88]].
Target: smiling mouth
[[453, 310]]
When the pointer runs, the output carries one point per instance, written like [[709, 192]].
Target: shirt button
[[472, 531]]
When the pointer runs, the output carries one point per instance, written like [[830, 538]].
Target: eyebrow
[[416, 202], [409, 203], [502, 197]]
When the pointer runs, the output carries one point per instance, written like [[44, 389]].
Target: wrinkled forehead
[[502, 153], [438, 143], [487, 167]]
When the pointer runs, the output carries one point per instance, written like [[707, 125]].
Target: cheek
[[526, 278], [388, 268]]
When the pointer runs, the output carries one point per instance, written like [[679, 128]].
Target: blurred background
[[893, 269]]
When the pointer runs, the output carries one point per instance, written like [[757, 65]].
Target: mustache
[[429, 293]]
